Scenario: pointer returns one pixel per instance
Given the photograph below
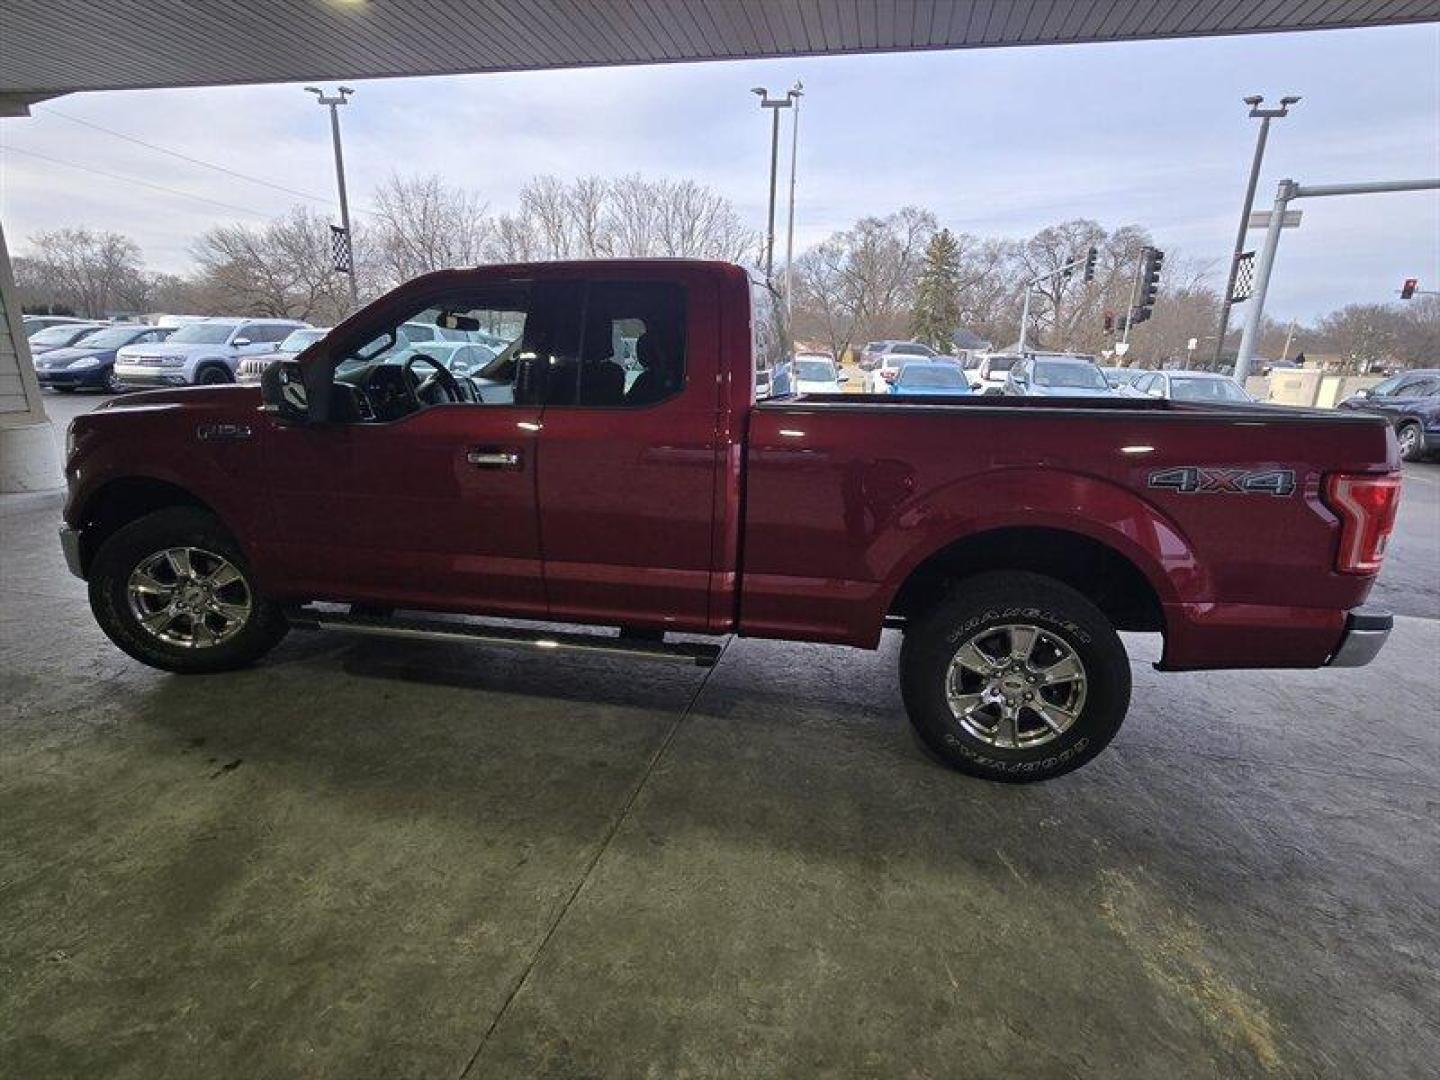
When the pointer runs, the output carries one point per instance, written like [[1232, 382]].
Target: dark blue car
[[90, 362]]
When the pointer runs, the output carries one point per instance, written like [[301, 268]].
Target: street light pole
[[334, 103], [1284, 193], [775, 105], [1264, 116], [795, 93]]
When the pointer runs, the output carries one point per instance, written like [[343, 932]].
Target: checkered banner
[[340, 249], [1244, 278]]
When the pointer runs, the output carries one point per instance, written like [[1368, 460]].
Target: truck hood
[[230, 395]]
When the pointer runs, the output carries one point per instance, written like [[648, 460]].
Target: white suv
[[989, 375], [206, 352]]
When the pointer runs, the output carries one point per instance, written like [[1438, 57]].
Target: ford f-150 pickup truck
[[611, 469]]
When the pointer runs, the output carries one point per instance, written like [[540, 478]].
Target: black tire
[[214, 375], [111, 383], [1066, 620], [1411, 440], [131, 546]]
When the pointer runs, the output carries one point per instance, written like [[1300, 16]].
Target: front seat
[[657, 380]]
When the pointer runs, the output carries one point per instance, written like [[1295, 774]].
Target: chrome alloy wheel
[[189, 597], [1015, 687]]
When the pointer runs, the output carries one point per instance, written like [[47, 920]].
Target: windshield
[[815, 370], [202, 333], [60, 335], [112, 338], [1072, 376], [1001, 363], [300, 339], [1205, 390], [938, 375]]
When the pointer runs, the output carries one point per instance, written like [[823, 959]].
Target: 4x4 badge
[[1192, 479]]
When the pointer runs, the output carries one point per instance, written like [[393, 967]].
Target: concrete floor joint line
[[600, 850]]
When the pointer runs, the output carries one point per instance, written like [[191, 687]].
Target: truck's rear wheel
[[174, 591], [1016, 677]]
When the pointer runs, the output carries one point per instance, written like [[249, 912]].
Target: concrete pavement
[[382, 860]]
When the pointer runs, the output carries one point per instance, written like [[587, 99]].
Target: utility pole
[[1087, 261], [334, 103], [795, 93], [775, 105], [1264, 116], [1289, 337], [1287, 191], [1130, 307]]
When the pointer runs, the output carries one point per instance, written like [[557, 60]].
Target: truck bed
[[848, 496]]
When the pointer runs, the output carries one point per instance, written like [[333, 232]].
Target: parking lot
[[363, 859]]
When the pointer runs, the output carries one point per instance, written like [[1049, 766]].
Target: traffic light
[[1108, 320], [1408, 289], [1090, 257], [1150, 262]]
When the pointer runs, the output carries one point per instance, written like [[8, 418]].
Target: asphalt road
[[1409, 584]]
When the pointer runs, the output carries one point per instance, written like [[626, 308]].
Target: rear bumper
[[1366, 631]]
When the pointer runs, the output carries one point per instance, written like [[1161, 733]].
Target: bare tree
[[423, 224], [625, 217], [825, 307], [281, 270], [93, 273]]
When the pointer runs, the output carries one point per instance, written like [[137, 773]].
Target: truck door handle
[[494, 457]]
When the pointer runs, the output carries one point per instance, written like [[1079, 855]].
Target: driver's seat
[[657, 380]]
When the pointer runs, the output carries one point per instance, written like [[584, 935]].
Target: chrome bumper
[[1365, 634], [70, 545]]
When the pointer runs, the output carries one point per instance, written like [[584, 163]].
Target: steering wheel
[[441, 377]]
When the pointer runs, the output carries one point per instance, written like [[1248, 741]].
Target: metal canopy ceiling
[[50, 47]]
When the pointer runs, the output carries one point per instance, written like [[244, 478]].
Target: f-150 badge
[[1194, 480]]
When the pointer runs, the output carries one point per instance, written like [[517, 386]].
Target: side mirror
[[240, 342], [1363, 392], [282, 389]]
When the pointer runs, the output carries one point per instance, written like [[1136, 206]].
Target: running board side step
[[685, 652]]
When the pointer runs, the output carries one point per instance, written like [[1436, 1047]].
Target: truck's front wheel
[[174, 590], [1016, 677]]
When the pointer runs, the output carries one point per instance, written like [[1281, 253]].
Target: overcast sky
[[996, 142]]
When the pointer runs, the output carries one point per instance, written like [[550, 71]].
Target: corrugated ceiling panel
[[56, 46]]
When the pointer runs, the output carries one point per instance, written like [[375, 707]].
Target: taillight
[[1367, 506]]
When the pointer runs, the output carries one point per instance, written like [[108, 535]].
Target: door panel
[[627, 491], [398, 512]]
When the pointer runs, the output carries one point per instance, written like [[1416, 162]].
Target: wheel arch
[[122, 500], [1097, 570]]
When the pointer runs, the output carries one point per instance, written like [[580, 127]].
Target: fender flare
[[1030, 497]]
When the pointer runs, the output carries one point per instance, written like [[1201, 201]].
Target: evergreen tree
[[937, 293]]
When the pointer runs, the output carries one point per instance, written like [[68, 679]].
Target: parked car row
[[69, 358]]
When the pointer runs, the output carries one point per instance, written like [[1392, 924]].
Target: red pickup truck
[[607, 465]]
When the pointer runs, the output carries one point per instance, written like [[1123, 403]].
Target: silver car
[[206, 352], [1203, 386]]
